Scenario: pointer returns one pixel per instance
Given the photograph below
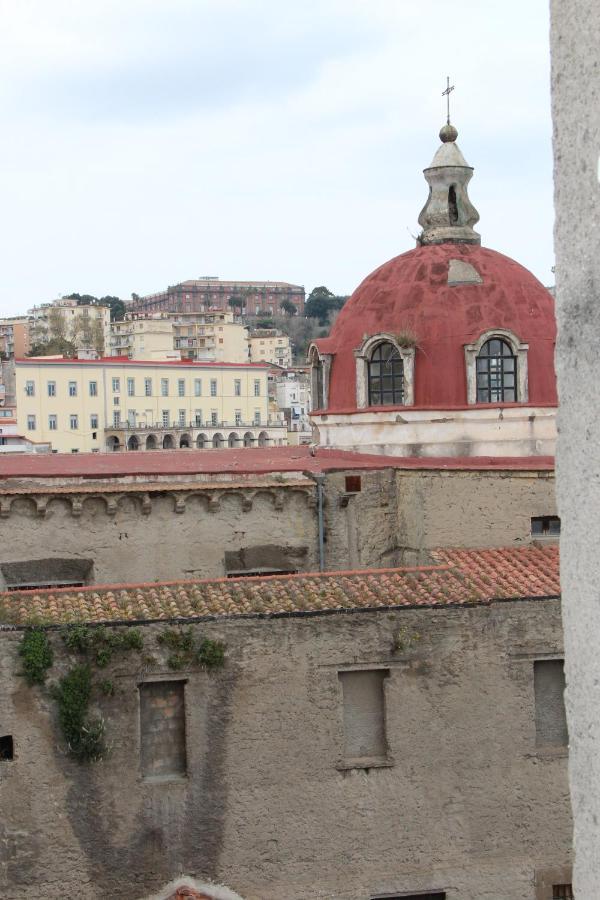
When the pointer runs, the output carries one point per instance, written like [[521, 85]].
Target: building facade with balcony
[[270, 345], [199, 295], [121, 404], [143, 337], [14, 336]]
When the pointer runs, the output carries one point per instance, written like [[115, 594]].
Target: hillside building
[[85, 325], [116, 404], [14, 337], [202, 294], [270, 345]]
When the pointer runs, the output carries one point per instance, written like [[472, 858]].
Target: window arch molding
[[320, 368], [363, 356], [519, 351]]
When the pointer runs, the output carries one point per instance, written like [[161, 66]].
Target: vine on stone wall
[[184, 650]]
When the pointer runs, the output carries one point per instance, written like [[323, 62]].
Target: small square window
[[353, 484], [545, 526]]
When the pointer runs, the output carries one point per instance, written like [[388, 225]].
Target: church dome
[[445, 325], [442, 297]]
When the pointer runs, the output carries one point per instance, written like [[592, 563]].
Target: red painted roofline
[[124, 360], [246, 461]]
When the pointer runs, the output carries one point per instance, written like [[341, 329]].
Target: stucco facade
[[80, 405], [464, 801]]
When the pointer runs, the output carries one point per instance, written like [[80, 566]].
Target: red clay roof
[[411, 293], [460, 577], [125, 361], [252, 461]]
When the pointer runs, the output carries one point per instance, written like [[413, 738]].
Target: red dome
[[411, 293]]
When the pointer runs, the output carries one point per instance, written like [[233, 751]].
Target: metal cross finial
[[446, 94]]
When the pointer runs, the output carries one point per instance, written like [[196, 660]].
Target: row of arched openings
[[202, 441]]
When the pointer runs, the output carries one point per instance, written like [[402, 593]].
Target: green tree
[[321, 303], [236, 302], [57, 326], [287, 307], [97, 335], [53, 347], [117, 307]]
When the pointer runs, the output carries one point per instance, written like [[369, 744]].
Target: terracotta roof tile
[[459, 577]]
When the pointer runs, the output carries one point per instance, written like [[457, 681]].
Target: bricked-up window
[[550, 718], [162, 729], [562, 892], [364, 714]]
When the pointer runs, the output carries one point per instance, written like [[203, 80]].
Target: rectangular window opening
[[7, 749], [364, 716], [562, 892], [162, 729], [550, 718], [353, 484], [545, 526]]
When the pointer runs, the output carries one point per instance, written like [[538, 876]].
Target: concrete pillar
[[575, 39]]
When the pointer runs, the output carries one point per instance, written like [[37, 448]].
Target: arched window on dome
[[496, 372], [497, 368], [385, 376], [385, 371], [320, 364]]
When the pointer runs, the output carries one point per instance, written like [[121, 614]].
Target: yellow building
[[143, 337], [115, 404], [270, 345], [205, 337], [213, 336]]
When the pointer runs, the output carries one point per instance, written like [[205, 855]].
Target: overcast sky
[[149, 141]]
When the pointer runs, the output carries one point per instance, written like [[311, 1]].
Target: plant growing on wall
[[73, 692], [184, 650], [36, 654]]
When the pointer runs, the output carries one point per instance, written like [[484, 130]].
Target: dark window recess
[[436, 895], [262, 573], [45, 587], [27, 575], [386, 376], [7, 750], [496, 368], [353, 484], [550, 717], [452, 205], [562, 892], [549, 525]]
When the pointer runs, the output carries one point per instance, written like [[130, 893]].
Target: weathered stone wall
[[171, 535], [466, 802], [154, 533], [576, 116], [399, 515]]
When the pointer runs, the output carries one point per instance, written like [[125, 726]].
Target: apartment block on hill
[[253, 298]]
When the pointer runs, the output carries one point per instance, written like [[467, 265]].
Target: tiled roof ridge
[[458, 578]]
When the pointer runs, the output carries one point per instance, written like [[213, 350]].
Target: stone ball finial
[[448, 133]]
